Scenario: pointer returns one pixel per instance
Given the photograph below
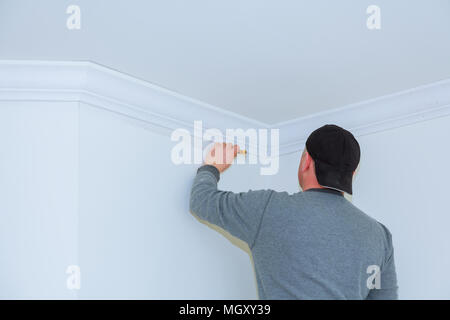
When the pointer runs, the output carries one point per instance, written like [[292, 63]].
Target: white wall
[[38, 198], [403, 183], [85, 186], [137, 238]]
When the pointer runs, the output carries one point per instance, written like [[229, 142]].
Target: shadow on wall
[[235, 241]]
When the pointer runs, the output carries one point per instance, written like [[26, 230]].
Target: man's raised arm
[[238, 213]]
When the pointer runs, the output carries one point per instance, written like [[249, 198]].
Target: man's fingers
[[223, 153]]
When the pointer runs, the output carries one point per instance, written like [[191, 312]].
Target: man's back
[[317, 245], [309, 245]]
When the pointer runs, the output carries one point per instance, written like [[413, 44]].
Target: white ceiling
[[268, 60]]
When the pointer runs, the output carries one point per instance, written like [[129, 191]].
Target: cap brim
[[329, 177]]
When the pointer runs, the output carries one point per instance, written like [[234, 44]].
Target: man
[[313, 244]]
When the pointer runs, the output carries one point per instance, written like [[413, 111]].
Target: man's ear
[[356, 170], [307, 162]]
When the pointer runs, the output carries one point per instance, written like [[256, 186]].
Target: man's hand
[[221, 155]]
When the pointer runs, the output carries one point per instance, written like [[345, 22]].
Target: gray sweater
[[308, 245]]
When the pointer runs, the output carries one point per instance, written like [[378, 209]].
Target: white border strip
[[91, 83]]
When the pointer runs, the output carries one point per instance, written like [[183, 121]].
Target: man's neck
[[313, 186], [318, 186]]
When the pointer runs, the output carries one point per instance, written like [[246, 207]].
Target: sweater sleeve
[[389, 287], [238, 213]]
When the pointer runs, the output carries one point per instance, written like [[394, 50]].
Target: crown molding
[[165, 110], [367, 117], [94, 84]]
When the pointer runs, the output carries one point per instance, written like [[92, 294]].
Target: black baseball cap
[[336, 155]]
